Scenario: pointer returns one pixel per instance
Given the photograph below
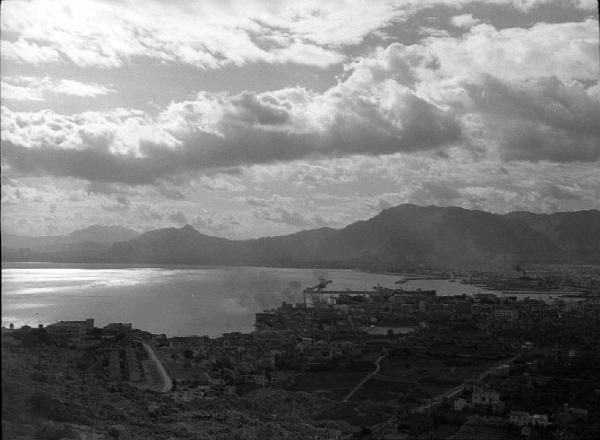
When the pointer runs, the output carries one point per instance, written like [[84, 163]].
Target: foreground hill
[[402, 236]]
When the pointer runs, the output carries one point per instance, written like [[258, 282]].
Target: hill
[[402, 236]]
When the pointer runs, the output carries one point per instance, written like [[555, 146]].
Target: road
[[434, 401], [167, 383], [365, 379]]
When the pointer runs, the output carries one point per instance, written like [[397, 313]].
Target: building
[[509, 315], [70, 329], [522, 418], [460, 404], [482, 395], [180, 343], [118, 327], [518, 418]]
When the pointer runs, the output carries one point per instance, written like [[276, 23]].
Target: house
[[460, 404], [522, 418], [181, 343], [539, 420], [70, 329], [518, 418], [483, 395], [117, 327], [508, 315]]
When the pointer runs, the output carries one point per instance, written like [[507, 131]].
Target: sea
[[176, 300]]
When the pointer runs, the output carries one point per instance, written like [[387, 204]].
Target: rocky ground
[[55, 393]]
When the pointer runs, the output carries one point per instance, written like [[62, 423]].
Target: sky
[[257, 118]]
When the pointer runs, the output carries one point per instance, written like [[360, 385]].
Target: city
[[377, 364]]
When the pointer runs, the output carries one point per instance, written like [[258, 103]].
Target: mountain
[[397, 237], [577, 233], [440, 236], [173, 245], [92, 237]]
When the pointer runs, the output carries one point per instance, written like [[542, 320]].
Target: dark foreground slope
[[396, 237]]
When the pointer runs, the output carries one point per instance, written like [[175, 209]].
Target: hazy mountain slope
[[439, 235], [299, 247], [173, 245], [577, 233], [403, 235], [87, 236]]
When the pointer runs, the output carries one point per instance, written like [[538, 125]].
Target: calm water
[[174, 300]]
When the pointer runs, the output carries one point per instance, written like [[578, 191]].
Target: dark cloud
[[539, 119], [244, 136]]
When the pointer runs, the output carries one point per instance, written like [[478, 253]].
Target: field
[[336, 384], [408, 379]]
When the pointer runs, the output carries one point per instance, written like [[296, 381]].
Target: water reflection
[[177, 301]]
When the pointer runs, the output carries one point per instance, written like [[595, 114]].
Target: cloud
[[464, 21], [28, 88], [430, 98], [357, 116], [178, 218], [437, 193], [568, 51], [288, 217], [27, 52], [545, 107], [13, 92], [541, 119], [561, 192], [121, 205], [208, 34]]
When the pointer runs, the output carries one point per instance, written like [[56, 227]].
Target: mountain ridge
[[398, 236]]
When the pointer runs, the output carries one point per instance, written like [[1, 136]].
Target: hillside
[[396, 237]]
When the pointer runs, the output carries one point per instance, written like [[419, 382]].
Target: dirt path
[[364, 379], [167, 383], [458, 389]]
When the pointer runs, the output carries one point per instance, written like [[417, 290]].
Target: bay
[[176, 300]]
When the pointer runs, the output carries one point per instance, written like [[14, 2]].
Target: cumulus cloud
[[495, 99], [464, 21], [568, 51], [545, 105], [540, 119], [357, 116]]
